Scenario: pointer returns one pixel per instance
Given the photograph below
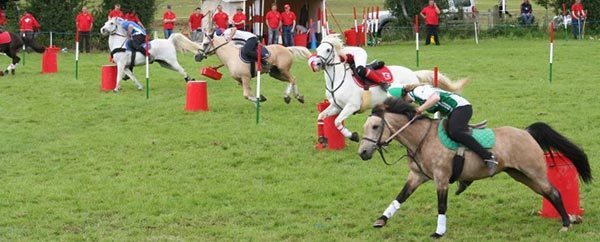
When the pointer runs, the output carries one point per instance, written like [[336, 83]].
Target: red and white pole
[[417, 37], [258, 70], [76, 54], [376, 24], [551, 50], [147, 70]]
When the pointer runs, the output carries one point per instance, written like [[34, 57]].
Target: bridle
[[114, 31], [381, 145], [327, 61], [211, 46]]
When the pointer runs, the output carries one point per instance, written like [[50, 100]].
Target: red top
[[273, 18], [115, 13], [238, 17], [84, 21], [132, 17], [431, 16], [196, 21], [221, 19], [28, 23], [2, 17], [577, 11], [287, 18], [170, 18]]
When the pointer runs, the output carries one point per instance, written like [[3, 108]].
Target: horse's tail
[[182, 43], [548, 139], [426, 76], [300, 52]]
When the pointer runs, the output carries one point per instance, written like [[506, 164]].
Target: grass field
[[81, 164]]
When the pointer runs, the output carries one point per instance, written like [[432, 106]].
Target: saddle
[[264, 55], [5, 37], [377, 66]]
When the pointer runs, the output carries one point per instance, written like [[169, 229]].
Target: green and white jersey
[[448, 100]]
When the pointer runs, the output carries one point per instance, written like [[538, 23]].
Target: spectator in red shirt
[[116, 12], [274, 23], [195, 23], [28, 24], [221, 19], [430, 13], [288, 23], [2, 18], [84, 22], [133, 17], [239, 19], [577, 17], [169, 19]]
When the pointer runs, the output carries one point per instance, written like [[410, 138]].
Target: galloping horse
[[281, 59], [346, 96], [520, 153], [164, 51], [11, 44]]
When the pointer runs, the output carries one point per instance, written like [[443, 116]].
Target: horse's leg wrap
[[321, 131], [288, 90], [344, 130], [441, 224], [391, 209]]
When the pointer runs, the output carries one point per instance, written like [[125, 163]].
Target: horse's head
[[207, 45], [111, 26], [327, 52], [377, 130]]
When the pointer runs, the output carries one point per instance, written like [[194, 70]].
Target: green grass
[[81, 164]]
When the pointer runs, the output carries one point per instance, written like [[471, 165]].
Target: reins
[[326, 61]]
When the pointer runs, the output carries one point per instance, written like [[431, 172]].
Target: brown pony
[[520, 153]]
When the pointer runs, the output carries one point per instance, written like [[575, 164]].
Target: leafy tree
[[55, 15]]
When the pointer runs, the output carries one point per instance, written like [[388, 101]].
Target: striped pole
[[24, 53], [376, 23], [564, 12], [435, 76], [417, 37], [551, 50], [147, 71], [258, 70], [355, 27], [76, 54], [51, 39], [364, 24]]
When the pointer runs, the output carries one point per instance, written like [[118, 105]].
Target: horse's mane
[[336, 41], [394, 105]]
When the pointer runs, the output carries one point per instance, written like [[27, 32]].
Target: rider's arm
[[431, 100], [129, 31]]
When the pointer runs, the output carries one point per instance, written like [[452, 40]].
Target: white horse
[[164, 52], [346, 97]]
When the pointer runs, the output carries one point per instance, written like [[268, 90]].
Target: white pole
[[504, 9], [324, 17], [51, 39]]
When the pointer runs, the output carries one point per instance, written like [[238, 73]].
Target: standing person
[[273, 23], [116, 12], [288, 22], [456, 108], [526, 12], [28, 24], [84, 22], [195, 24], [133, 16], [169, 19], [3, 19], [577, 17], [239, 19], [221, 19], [430, 14]]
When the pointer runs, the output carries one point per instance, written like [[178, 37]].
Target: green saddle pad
[[485, 137]]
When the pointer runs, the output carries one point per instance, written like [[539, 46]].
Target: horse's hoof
[[354, 137], [262, 98], [140, 88], [436, 235], [379, 223], [575, 219], [300, 98], [287, 99], [462, 186], [564, 229], [125, 78], [12, 72], [323, 141]]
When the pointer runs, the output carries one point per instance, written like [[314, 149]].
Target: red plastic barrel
[[564, 177], [335, 138], [211, 73], [109, 77], [301, 40], [49, 64], [197, 96], [354, 38]]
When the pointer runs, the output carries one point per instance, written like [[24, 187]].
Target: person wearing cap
[[169, 19], [28, 24], [239, 19], [84, 23], [274, 23], [288, 22], [221, 19], [116, 12], [133, 16], [455, 108], [195, 24]]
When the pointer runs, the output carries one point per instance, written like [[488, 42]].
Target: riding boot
[[376, 64], [377, 78]]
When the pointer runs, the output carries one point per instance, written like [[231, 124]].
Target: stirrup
[[491, 164]]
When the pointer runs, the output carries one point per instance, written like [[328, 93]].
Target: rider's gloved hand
[[349, 58]]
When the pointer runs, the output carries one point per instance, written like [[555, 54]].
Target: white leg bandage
[[441, 224], [390, 210], [344, 131], [288, 90], [296, 92], [10, 67]]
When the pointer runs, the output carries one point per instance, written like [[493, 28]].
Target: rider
[[357, 58], [456, 108], [137, 35], [249, 39]]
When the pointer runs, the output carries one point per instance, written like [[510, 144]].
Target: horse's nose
[[199, 57], [365, 155]]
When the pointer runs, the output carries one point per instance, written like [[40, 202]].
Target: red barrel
[[109, 77], [49, 64], [211, 73], [564, 177], [353, 38], [335, 138], [301, 40], [197, 96]]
